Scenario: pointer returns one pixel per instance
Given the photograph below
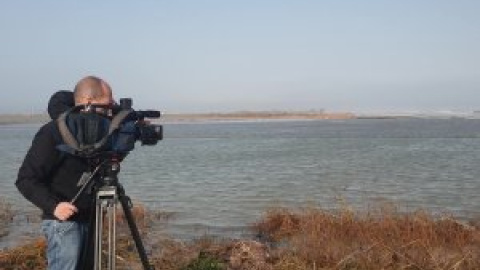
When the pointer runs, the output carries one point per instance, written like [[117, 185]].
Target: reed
[[314, 238]]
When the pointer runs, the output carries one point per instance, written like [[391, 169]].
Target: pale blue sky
[[197, 56]]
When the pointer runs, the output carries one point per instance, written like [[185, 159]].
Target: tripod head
[[109, 172], [105, 173]]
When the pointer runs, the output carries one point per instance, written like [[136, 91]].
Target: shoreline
[[9, 119]]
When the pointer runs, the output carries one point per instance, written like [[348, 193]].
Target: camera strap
[[71, 144]]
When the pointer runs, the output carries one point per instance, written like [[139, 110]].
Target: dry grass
[[306, 239], [6, 217], [319, 239], [31, 256]]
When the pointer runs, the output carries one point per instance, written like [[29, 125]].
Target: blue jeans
[[65, 240]]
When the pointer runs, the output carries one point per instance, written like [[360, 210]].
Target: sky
[[222, 55]]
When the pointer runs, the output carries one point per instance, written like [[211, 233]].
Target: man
[[49, 179]]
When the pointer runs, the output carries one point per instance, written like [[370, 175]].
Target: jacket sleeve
[[35, 173]]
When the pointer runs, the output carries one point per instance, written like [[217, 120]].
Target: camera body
[[134, 128], [88, 134]]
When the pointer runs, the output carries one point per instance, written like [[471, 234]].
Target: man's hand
[[64, 211]]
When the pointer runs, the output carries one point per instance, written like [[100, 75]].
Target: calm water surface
[[218, 177]]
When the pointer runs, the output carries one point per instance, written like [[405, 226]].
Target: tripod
[[108, 192]]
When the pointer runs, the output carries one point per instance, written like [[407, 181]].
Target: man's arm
[[36, 170]]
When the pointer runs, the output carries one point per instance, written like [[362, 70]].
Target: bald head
[[92, 90]]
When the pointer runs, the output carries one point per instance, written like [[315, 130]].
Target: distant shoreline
[[6, 119], [9, 119], [257, 115]]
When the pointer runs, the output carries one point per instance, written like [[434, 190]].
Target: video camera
[[89, 134]]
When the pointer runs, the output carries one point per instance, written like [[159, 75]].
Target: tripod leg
[[125, 201], [111, 235], [98, 235], [106, 202]]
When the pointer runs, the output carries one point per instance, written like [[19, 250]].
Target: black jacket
[[48, 177]]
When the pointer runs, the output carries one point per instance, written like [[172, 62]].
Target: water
[[218, 177]]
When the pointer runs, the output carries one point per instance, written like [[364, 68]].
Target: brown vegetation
[[6, 216], [31, 256], [304, 239], [319, 239]]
